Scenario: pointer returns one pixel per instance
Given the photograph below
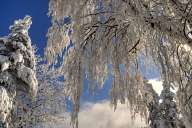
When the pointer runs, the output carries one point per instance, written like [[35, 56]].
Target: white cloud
[[101, 115], [157, 85]]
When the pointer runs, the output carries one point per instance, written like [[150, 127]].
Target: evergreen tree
[[18, 72]]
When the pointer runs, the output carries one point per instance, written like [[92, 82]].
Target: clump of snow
[[28, 76], [5, 104], [4, 63]]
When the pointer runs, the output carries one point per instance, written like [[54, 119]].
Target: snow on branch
[[17, 67]]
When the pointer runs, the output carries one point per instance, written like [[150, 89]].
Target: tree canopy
[[97, 33]]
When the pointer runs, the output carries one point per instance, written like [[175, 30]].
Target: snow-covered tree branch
[[18, 72], [119, 32]]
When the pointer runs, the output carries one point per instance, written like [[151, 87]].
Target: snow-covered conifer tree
[[17, 69]]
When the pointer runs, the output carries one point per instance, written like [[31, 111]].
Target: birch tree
[[99, 33]]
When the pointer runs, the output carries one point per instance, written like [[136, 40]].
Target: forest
[[117, 46]]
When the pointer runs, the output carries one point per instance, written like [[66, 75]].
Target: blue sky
[[15, 9]]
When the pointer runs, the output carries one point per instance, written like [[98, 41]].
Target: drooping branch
[[160, 28]]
